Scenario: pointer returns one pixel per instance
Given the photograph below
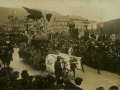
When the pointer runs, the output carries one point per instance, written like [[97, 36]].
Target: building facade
[[61, 23], [15, 24]]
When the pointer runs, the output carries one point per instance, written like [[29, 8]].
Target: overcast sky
[[90, 9]]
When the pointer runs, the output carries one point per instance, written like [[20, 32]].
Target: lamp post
[[86, 33]]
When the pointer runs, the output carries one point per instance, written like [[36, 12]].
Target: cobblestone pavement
[[91, 79]]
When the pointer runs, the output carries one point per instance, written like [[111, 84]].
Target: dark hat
[[38, 77], [100, 88], [24, 74], [16, 72], [78, 80], [58, 58], [113, 88]]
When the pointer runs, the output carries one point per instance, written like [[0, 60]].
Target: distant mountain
[[4, 12], [82, 18], [76, 17], [109, 27], [19, 12]]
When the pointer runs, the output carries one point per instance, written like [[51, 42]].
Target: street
[[91, 79]]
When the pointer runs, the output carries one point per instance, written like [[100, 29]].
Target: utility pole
[[12, 20], [101, 24]]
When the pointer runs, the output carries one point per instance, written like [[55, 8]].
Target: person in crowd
[[70, 50], [3, 83], [24, 74], [100, 88], [113, 88], [60, 85], [58, 69], [78, 82], [118, 64], [51, 81], [11, 82]]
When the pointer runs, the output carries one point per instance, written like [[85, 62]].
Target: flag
[[37, 14]]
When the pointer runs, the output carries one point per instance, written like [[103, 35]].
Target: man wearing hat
[[9, 44], [78, 82], [58, 68], [24, 74]]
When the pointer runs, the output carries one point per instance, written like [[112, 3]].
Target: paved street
[[91, 79]]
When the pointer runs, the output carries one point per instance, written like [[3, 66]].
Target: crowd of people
[[15, 80], [14, 38], [7, 42], [101, 53]]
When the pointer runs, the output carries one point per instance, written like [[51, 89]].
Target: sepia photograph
[[59, 44]]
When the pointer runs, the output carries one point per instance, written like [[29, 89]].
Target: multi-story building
[[60, 23], [15, 24]]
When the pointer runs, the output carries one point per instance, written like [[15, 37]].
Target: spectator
[[100, 88], [51, 81], [24, 74], [37, 80], [24, 84], [58, 69], [78, 82], [113, 88], [69, 85], [60, 85], [11, 82], [16, 74], [31, 79], [3, 83]]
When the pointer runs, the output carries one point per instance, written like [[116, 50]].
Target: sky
[[89, 9]]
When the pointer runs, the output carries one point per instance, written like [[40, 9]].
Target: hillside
[[20, 12], [111, 26]]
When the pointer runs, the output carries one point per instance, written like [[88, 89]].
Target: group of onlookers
[[14, 38], [15, 80], [107, 50]]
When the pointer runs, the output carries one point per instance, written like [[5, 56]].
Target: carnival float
[[37, 50]]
